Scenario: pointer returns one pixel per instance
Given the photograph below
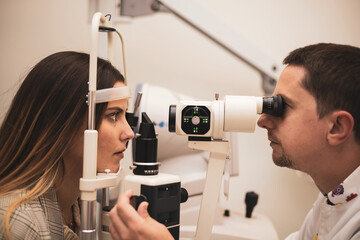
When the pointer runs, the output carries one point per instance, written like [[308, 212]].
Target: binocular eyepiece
[[273, 105], [196, 116]]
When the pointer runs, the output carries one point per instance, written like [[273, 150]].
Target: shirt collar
[[347, 190]]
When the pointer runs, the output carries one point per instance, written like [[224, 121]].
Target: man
[[319, 134]]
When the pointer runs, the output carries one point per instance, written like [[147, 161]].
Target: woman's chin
[[113, 169]]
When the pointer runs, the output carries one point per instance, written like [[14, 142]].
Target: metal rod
[[88, 220], [92, 106]]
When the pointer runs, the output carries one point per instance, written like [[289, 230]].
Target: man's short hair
[[333, 77]]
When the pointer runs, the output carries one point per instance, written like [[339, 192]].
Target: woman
[[41, 146]]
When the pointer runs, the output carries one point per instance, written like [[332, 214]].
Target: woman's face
[[114, 133]]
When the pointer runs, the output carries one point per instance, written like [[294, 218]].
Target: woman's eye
[[113, 116]]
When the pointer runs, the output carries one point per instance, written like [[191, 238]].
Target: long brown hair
[[46, 113]]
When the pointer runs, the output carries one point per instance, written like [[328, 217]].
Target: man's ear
[[341, 127]]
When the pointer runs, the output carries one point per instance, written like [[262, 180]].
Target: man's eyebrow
[[287, 99]]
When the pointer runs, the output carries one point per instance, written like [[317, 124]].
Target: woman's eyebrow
[[119, 109], [115, 109]]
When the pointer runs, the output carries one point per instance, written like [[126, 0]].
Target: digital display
[[195, 120]]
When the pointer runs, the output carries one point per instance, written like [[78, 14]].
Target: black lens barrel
[[172, 118], [273, 105]]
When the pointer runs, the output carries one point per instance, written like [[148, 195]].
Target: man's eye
[[286, 105]]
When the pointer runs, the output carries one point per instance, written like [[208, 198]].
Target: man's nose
[[266, 121]]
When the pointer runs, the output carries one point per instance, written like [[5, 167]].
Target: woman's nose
[[127, 133]]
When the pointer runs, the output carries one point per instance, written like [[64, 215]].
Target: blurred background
[[161, 50]]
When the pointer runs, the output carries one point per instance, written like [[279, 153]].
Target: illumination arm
[[201, 19]]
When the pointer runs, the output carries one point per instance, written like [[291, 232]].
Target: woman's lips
[[119, 154]]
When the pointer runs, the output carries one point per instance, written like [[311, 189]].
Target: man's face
[[298, 137]]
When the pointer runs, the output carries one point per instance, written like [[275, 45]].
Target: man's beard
[[283, 160], [279, 155]]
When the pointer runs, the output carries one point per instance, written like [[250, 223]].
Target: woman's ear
[[341, 127]]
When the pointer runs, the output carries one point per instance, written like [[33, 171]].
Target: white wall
[[161, 50], [31, 30]]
